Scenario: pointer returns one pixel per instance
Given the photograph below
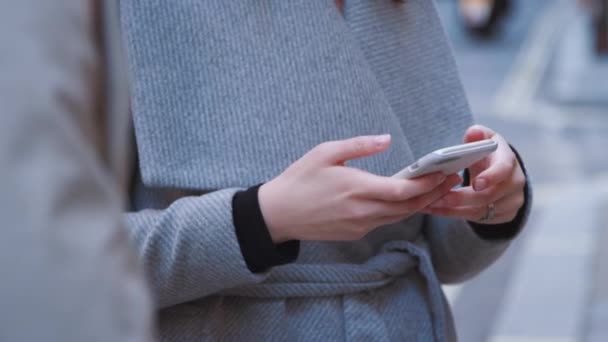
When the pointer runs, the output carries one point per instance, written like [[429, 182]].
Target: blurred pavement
[[541, 86]]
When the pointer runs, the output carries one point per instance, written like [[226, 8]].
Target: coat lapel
[[230, 93]]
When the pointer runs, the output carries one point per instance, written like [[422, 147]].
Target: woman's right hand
[[319, 198]]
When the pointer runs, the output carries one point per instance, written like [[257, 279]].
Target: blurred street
[[539, 83]]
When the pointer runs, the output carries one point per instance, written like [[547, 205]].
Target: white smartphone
[[449, 160]]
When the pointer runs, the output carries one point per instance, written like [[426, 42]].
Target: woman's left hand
[[497, 186]]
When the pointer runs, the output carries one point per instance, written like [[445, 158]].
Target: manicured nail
[[381, 140], [480, 184]]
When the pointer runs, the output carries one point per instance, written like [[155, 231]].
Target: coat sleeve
[[190, 249], [457, 253], [68, 272]]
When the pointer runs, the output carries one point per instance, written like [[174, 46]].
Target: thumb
[[478, 132], [340, 151]]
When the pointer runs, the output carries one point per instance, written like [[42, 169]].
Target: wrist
[[267, 198], [259, 251]]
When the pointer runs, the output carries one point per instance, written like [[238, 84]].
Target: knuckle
[[512, 163], [347, 190], [520, 181], [401, 193], [355, 212], [315, 153], [397, 193], [323, 149], [505, 165]]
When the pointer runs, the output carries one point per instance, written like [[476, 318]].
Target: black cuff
[[508, 230], [258, 249]]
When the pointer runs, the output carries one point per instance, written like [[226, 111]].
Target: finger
[[466, 213], [425, 200], [505, 210], [380, 209], [407, 207], [402, 211], [479, 166], [468, 197], [340, 151], [395, 189], [501, 167], [478, 132]]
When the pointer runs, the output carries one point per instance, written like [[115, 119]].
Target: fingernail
[[480, 184], [381, 140]]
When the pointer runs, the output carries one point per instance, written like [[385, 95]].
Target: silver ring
[[489, 213]]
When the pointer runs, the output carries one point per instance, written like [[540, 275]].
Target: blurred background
[[537, 71]]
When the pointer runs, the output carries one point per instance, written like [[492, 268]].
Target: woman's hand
[[497, 191], [318, 198]]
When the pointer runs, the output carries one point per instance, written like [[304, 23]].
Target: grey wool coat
[[225, 95]]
